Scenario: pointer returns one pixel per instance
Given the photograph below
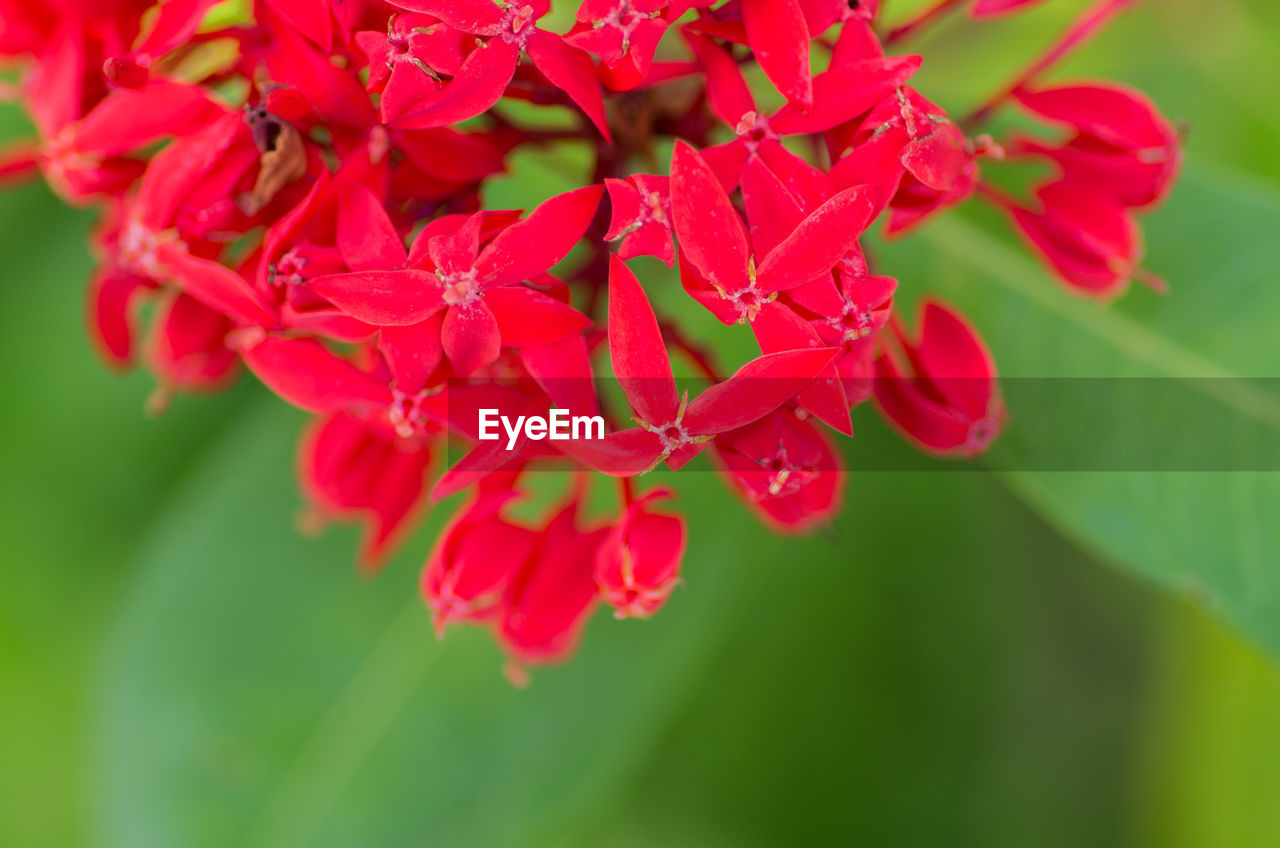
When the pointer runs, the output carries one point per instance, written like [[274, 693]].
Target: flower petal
[[639, 357], [572, 71], [779, 40], [479, 84], [471, 337], [309, 375], [215, 285], [367, 239], [413, 352], [537, 243], [758, 388], [528, 317], [382, 298], [711, 234], [820, 241]]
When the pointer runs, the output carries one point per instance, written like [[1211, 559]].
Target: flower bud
[[945, 399], [474, 561], [638, 565]]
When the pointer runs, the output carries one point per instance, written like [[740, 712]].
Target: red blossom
[[940, 389], [785, 469], [549, 600], [638, 564], [475, 560], [305, 188]]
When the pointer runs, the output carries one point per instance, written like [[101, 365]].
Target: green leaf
[[258, 693], [1214, 536]]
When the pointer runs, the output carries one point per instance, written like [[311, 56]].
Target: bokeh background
[[965, 658]]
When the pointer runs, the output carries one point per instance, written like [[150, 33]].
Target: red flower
[[348, 467], [476, 291], [550, 599], [942, 393], [638, 564], [641, 217], [483, 78], [303, 187], [475, 560], [785, 469], [671, 428], [1088, 238], [723, 271], [616, 30], [1122, 147]]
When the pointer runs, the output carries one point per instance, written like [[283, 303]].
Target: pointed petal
[[623, 453], [309, 375], [309, 17], [479, 84], [820, 241], [479, 17], [130, 118], [758, 388], [408, 89], [367, 239], [572, 71], [779, 40], [773, 211], [537, 243], [413, 352], [841, 94], [479, 462], [727, 92], [528, 317], [175, 22], [777, 328], [216, 286], [955, 359], [711, 234], [639, 357], [382, 298], [563, 370], [471, 338], [1116, 114]]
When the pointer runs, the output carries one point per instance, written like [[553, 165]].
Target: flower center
[[655, 210], [519, 24], [748, 302], [406, 412], [138, 245], [753, 129], [624, 19], [461, 288], [854, 322], [289, 268]]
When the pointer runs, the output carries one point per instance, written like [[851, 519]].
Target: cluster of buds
[[297, 188]]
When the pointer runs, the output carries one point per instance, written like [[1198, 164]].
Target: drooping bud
[[551, 598], [474, 561], [943, 395], [349, 467], [638, 565]]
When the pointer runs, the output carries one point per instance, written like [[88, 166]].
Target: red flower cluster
[[298, 186]]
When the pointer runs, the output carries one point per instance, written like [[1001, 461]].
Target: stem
[[627, 490], [920, 21], [1080, 32]]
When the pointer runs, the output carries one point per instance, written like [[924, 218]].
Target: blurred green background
[[964, 659]]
